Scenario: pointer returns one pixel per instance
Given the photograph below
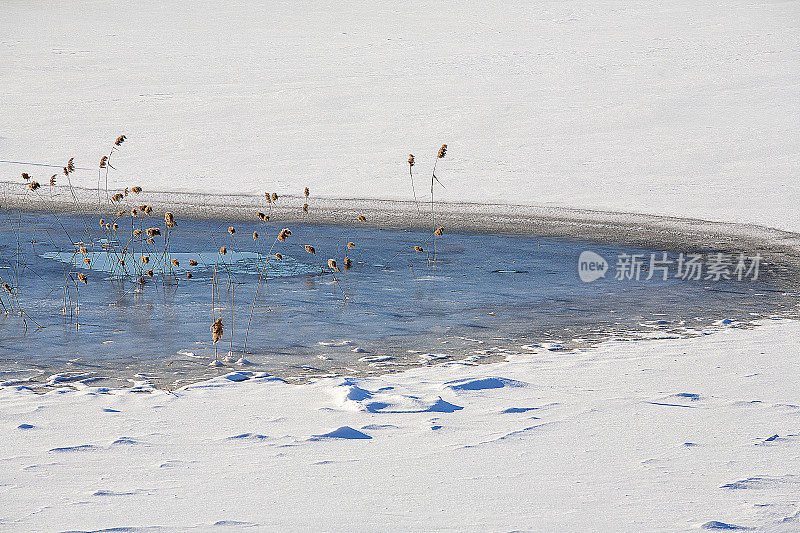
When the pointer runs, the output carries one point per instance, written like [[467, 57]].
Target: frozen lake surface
[[488, 296]]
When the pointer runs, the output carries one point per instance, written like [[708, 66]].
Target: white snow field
[[660, 435], [685, 108], [682, 108]]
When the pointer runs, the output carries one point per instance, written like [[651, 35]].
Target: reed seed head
[[223, 250], [305, 208], [145, 259], [361, 218], [120, 140], [84, 250], [274, 197], [150, 240], [134, 212], [232, 230], [122, 262], [347, 263], [148, 210], [262, 216], [442, 151], [150, 273], [136, 190], [351, 245], [33, 185], [117, 197], [310, 249], [188, 275], [83, 278], [418, 249], [137, 232], [278, 256], [152, 232], [87, 261], [269, 198], [71, 165], [411, 160], [175, 262], [217, 330], [103, 161], [7, 287], [439, 231], [285, 232], [102, 223], [169, 220], [332, 265], [53, 180], [255, 235], [26, 176], [306, 191], [120, 214], [126, 191], [192, 262], [115, 226]]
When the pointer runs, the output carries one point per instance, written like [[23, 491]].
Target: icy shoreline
[[580, 440]]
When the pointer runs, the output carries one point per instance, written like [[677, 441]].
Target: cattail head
[[175, 262], [274, 197], [306, 191], [255, 235], [361, 218], [145, 259], [152, 232], [351, 245], [310, 249], [305, 208], [232, 230], [53, 179], [332, 265], [103, 161], [442, 151], [82, 277], [347, 263], [169, 220], [120, 140], [192, 262], [71, 165], [418, 249], [278, 256], [33, 185], [411, 160], [26, 176], [285, 232], [439, 231], [84, 250], [217, 330], [136, 190], [223, 250], [117, 197]]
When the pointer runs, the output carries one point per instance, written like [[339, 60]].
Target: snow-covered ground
[[684, 108], [658, 435]]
